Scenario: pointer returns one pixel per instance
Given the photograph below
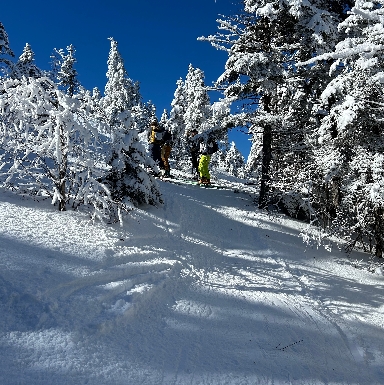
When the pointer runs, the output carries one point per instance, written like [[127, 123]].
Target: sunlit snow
[[206, 289]]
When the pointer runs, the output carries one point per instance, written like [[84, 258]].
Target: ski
[[193, 183]]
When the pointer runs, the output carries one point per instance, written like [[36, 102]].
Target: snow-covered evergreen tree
[[142, 115], [220, 120], [234, 161], [198, 106], [26, 66], [252, 169], [128, 179], [94, 99], [63, 70], [192, 110], [176, 122], [49, 145], [5, 52], [120, 91], [263, 44], [64, 75], [349, 141], [60, 141], [164, 119]]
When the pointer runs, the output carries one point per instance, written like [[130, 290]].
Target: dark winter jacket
[[208, 148], [156, 134], [167, 138], [193, 144]]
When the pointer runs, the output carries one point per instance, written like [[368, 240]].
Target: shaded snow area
[[203, 290]]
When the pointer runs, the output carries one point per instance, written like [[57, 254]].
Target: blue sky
[[157, 40]]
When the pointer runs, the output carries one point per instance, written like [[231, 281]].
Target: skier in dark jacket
[[155, 139], [207, 148], [166, 152], [194, 152]]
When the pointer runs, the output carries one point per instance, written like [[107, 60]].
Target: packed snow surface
[[206, 289]]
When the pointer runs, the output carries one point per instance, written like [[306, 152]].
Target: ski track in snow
[[203, 290]]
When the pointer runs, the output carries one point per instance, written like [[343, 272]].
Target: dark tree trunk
[[267, 156], [63, 170], [379, 231], [62, 190]]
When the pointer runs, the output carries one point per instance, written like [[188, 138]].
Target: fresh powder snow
[[204, 289]]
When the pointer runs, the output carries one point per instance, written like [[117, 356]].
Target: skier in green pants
[[205, 177], [207, 148]]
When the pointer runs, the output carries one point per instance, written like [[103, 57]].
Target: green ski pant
[[204, 166]]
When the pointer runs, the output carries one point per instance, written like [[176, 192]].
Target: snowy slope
[[204, 290]]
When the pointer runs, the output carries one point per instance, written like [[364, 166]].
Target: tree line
[[76, 147], [305, 78], [310, 76]]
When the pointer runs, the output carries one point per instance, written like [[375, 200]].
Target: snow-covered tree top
[[120, 91], [4, 42], [27, 56], [365, 35]]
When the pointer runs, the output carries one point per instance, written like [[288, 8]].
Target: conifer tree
[[142, 115], [349, 144], [176, 121], [234, 161], [68, 74], [198, 105], [263, 44], [252, 168], [164, 119], [120, 91], [128, 179], [5, 52], [53, 139], [65, 76], [26, 66], [36, 117], [192, 110], [63, 70], [94, 102]]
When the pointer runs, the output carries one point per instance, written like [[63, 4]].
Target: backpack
[[156, 135], [159, 136], [212, 147]]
